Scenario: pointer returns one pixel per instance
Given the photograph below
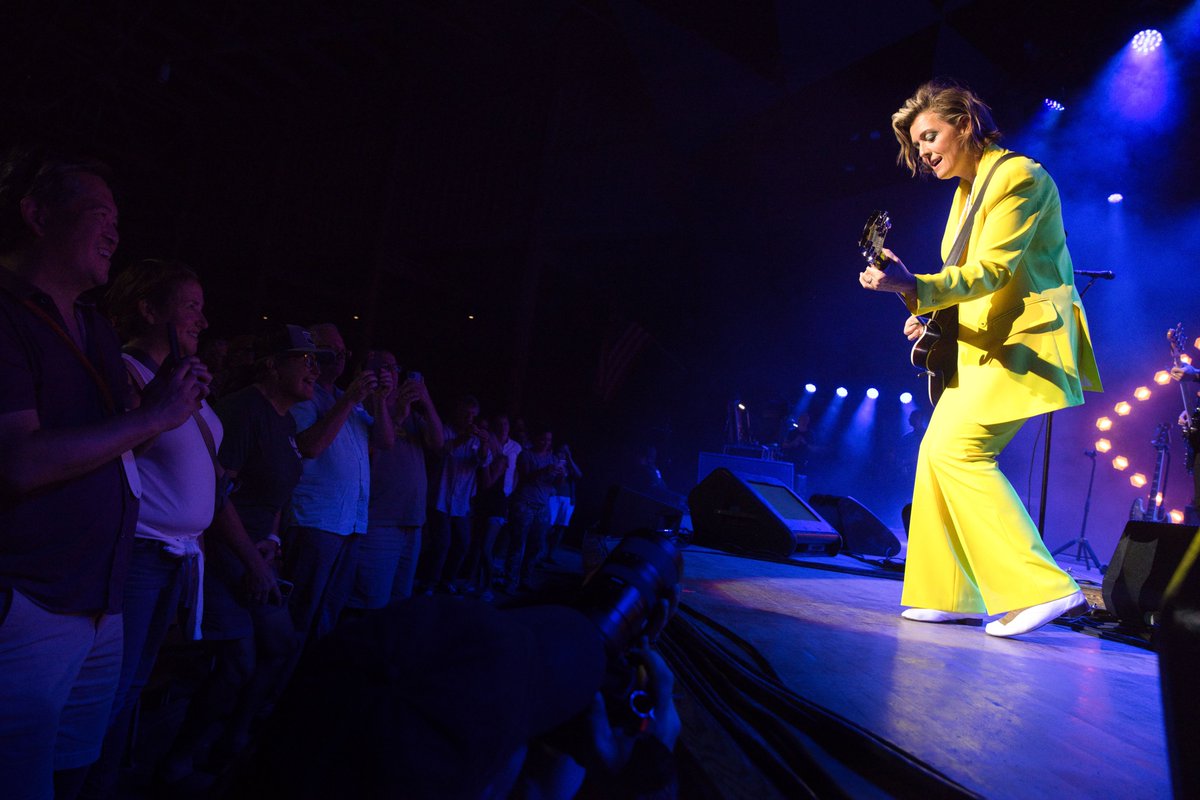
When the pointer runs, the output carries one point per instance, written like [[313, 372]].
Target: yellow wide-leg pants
[[971, 545]]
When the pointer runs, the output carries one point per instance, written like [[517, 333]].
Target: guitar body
[[936, 352]]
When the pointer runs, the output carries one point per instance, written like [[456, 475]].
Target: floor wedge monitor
[[1146, 557], [753, 514]]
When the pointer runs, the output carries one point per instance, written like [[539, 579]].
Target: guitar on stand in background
[[1153, 509], [1189, 420], [935, 353]]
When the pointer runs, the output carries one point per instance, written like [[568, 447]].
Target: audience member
[[490, 510], [562, 502], [149, 302], [538, 470], [468, 447], [328, 512], [389, 553], [70, 485], [251, 629]]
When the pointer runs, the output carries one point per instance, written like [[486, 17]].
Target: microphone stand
[[1041, 525], [1083, 550]]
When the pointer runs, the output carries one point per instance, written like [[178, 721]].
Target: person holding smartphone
[[251, 629], [158, 308], [387, 557]]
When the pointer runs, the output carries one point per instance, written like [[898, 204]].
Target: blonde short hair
[[954, 103]]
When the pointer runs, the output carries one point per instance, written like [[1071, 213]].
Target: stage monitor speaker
[[1146, 557], [862, 532], [751, 513], [778, 471], [1178, 644]]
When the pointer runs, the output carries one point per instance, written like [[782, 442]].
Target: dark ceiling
[[549, 167]]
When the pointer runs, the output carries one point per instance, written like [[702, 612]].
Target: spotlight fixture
[[1162, 377], [1120, 463], [810, 388], [1122, 408], [741, 406], [1053, 105], [1138, 480], [1103, 445], [1142, 393], [841, 391], [906, 397], [1147, 41], [1115, 197], [1104, 424], [872, 393]]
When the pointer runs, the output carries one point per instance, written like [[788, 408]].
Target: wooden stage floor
[[1057, 713]]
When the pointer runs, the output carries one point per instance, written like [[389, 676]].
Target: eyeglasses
[[309, 359]]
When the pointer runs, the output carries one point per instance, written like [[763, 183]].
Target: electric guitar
[[1153, 510], [935, 353], [1188, 421]]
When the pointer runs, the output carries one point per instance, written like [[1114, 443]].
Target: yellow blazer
[[1023, 344]]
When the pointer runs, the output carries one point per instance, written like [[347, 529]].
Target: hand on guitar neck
[[1185, 372], [887, 273], [935, 351]]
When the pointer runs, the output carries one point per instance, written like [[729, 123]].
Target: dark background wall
[[497, 189]]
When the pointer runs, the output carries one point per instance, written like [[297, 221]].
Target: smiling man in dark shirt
[[68, 481]]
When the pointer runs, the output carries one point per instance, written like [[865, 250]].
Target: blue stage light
[[1054, 105], [810, 388], [1147, 41], [841, 391], [872, 393], [906, 397], [1115, 198]]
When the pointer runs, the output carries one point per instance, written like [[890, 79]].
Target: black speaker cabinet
[[749, 513], [862, 532], [1178, 644], [1145, 559]]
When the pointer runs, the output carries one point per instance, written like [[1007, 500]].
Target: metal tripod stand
[[1083, 550]]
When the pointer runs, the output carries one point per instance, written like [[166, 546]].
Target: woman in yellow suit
[[1023, 350]]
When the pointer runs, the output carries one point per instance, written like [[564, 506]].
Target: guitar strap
[[964, 233]]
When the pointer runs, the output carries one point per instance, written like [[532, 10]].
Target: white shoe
[[1014, 623], [932, 615]]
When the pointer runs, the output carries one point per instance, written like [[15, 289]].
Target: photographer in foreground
[[445, 698]]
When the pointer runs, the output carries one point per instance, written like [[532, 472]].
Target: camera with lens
[[629, 596]]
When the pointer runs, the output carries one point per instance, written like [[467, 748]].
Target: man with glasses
[[328, 514]]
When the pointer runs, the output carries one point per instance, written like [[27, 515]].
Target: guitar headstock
[[870, 244], [1177, 340], [1162, 436]]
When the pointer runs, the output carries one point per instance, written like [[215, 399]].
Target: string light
[[1104, 424], [1103, 445], [1122, 408], [1162, 377], [1137, 479], [1142, 393], [1176, 516], [1120, 463]]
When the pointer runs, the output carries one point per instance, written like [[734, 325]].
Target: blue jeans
[[387, 562], [322, 565], [151, 599], [449, 538], [526, 538]]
